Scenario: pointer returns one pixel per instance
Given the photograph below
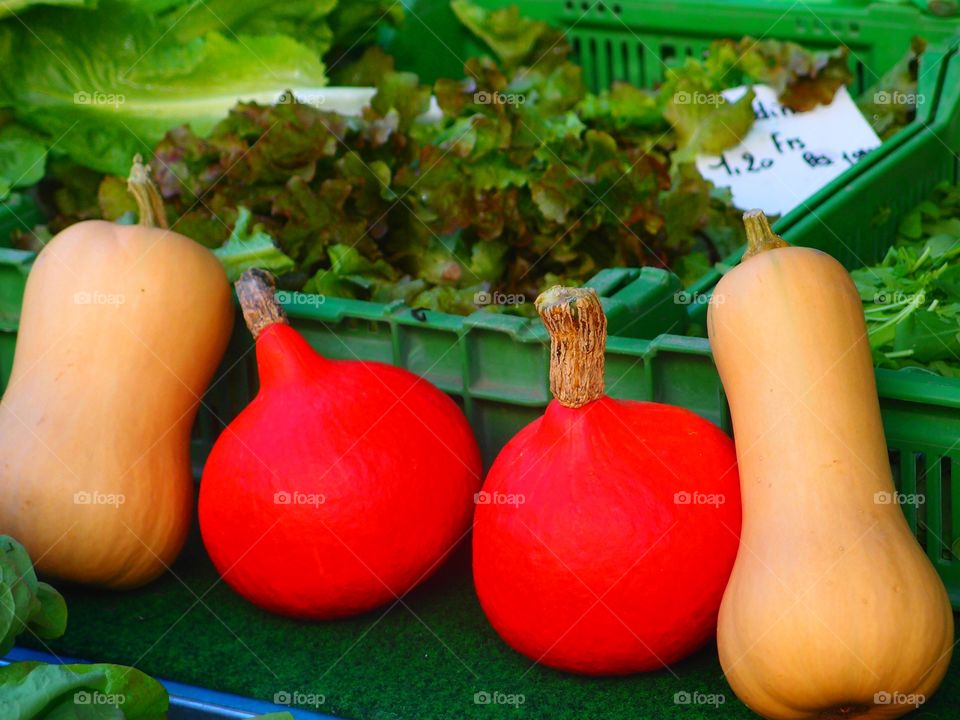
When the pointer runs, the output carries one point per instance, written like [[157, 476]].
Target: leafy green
[[84, 692], [892, 102], [40, 691], [305, 20], [525, 180], [246, 249], [117, 82], [26, 603], [23, 157], [708, 127], [99, 691], [912, 297], [354, 25], [16, 7], [511, 36], [706, 122]]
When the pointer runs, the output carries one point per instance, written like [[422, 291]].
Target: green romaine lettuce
[[25, 603], [32, 690], [16, 7], [103, 85]]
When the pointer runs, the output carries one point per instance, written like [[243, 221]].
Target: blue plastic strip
[[188, 702]]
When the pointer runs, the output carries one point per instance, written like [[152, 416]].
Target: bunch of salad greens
[[508, 180], [912, 297], [25, 603], [38, 691], [525, 180], [100, 80]]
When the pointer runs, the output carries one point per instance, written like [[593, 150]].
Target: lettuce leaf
[[25, 603], [105, 84], [511, 36], [246, 249], [305, 20], [16, 7], [23, 158], [81, 692]]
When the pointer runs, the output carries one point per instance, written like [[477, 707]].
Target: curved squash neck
[[283, 356]]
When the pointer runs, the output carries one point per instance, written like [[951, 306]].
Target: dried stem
[[578, 338], [760, 236], [146, 194], [256, 290]]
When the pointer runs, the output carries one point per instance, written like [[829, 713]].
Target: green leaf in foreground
[[97, 691], [246, 248], [26, 603]]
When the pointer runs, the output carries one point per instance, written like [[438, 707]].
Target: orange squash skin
[[831, 600], [121, 331]]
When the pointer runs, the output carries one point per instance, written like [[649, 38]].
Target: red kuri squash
[[607, 529], [342, 485]]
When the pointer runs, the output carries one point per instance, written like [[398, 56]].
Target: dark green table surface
[[425, 657]]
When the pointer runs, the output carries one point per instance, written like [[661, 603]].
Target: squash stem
[[146, 194], [256, 290], [578, 338], [760, 236]]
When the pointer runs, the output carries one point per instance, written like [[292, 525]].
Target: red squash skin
[[393, 457], [599, 520]]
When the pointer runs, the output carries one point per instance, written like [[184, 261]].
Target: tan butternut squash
[[832, 610], [121, 330]]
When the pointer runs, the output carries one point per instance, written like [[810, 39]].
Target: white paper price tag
[[788, 156]]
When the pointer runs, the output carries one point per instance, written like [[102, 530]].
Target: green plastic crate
[[636, 40], [637, 301]]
